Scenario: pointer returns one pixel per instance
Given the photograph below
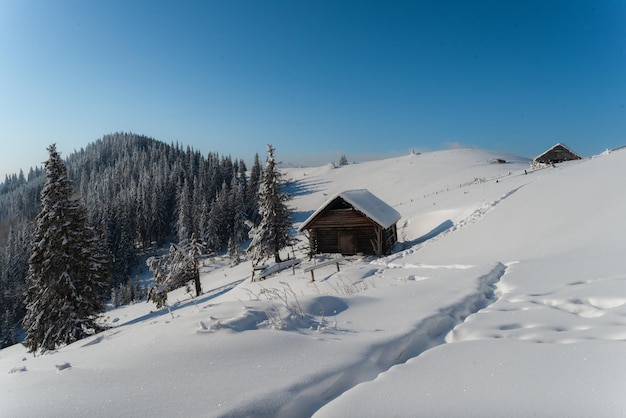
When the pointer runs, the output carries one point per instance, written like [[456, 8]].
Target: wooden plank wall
[[325, 229], [341, 218]]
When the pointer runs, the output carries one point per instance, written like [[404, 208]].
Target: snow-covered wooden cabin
[[352, 222], [557, 154]]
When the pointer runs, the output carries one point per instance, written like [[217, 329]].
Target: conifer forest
[[139, 194]]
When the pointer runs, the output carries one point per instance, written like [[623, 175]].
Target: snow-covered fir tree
[[272, 233], [13, 269], [184, 225], [8, 330], [239, 208], [252, 191], [67, 272], [127, 293], [234, 252], [217, 223]]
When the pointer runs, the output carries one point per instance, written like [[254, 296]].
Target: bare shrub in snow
[[174, 270]]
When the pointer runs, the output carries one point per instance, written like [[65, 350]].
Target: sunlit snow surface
[[505, 297]]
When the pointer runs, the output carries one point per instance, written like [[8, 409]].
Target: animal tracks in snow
[[426, 333], [447, 227], [567, 314]]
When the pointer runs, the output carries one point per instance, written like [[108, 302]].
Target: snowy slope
[[552, 340], [505, 297]]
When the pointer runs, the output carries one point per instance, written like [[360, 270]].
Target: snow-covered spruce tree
[[184, 225], [252, 192], [237, 203], [216, 224], [175, 269], [13, 269], [272, 233], [67, 271], [234, 252], [239, 208], [8, 331]]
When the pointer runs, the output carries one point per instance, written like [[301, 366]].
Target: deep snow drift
[[505, 297]]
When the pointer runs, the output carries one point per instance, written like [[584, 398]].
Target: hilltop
[[505, 295]]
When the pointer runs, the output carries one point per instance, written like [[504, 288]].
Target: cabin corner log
[[377, 242]]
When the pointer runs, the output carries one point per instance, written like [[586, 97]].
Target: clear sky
[[316, 79]]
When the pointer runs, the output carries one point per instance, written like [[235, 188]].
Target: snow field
[[506, 297]]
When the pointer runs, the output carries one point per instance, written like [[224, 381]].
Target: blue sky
[[316, 79]]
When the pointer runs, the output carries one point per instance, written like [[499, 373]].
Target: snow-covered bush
[[173, 270]]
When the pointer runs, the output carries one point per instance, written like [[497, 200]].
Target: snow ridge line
[[306, 398]]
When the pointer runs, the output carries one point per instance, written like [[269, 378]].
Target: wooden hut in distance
[[352, 222], [557, 154]]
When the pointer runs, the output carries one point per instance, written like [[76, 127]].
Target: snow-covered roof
[[559, 145], [363, 201]]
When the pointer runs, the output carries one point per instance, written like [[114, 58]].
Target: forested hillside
[[140, 193]]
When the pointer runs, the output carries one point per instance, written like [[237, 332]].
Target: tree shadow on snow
[[205, 297], [441, 228], [301, 216], [303, 187]]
